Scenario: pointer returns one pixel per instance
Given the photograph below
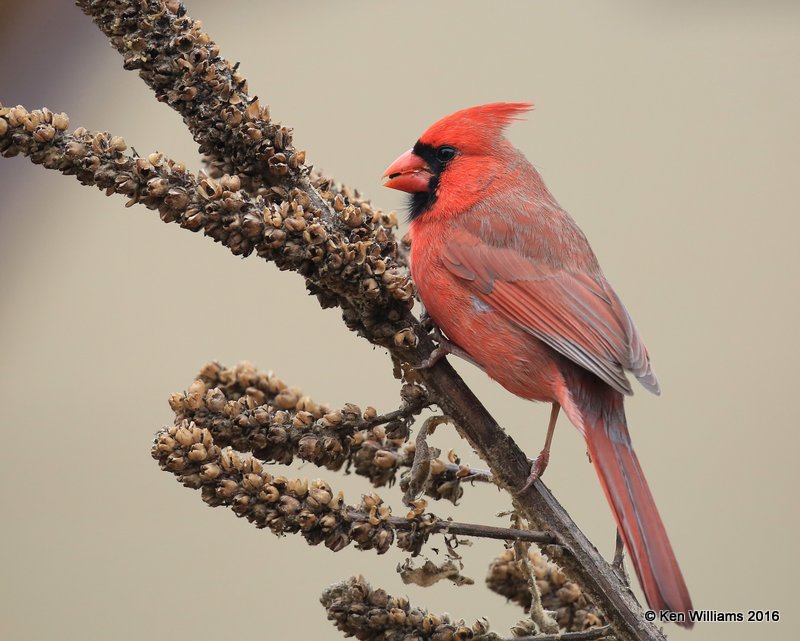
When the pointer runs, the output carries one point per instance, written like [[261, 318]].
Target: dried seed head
[[437, 467], [320, 496], [210, 471], [231, 183], [295, 224], [197, 453], [176, 199], [117, 143], [385, 459], [288, 399], [16, 115], [157, 187], [298, 487], [338, 203], [270, 494], [405, 338], [315, 234], [288, 505], [177, 402], [352, 216], [60, 121], [44, 133], [227, 488], [184, 435]]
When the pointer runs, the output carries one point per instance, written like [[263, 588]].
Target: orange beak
[[408, 173]]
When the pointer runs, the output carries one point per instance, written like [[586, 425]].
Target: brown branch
[[510, 468], [341, 245], [441, 526]]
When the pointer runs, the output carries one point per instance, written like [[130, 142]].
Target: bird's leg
[[539, 465], [444, 348], [619, 558]]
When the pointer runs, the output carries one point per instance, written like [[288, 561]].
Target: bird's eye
[[443, 154]]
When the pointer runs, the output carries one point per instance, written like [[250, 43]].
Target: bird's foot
[[444, 348], [538, 466], [436, 355]]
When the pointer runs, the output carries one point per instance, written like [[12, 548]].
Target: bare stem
[[441, 526], [538, 614], [584, 635]]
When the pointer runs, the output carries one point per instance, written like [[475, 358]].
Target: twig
[[420, 471], [538, 615], [585, 635], [483, 531]]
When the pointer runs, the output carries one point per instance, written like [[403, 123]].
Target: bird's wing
[[575, 314]]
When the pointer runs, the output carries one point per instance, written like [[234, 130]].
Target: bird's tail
[[635, 511]]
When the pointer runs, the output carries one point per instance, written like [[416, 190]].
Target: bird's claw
[[436, 355], [538, 466], [444, 347]]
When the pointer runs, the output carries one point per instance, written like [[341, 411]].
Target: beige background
[[671, 134]]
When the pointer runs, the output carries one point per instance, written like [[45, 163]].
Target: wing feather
[[578, 316]]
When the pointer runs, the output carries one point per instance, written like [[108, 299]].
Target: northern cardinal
[[512, 282]]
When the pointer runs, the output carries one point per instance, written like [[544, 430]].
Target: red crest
[[475, 127]]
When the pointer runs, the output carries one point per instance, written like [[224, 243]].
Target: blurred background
[[668, 130]]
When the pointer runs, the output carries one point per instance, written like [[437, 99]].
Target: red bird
[[511, 280]]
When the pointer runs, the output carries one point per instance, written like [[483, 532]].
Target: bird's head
[[457, 157]]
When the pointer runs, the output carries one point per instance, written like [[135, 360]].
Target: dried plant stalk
[[229, 478], [353, 263], [180, 62], [373, 615], [226, 477], [254, 411]]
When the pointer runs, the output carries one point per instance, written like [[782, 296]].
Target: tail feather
[[635, 511]]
